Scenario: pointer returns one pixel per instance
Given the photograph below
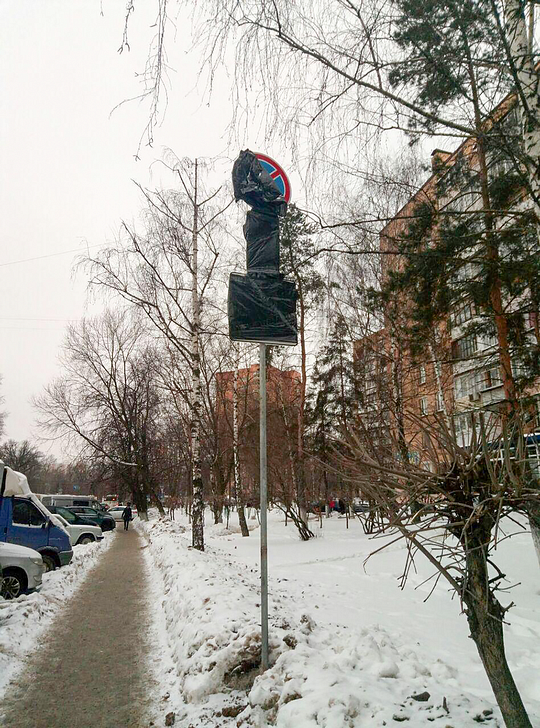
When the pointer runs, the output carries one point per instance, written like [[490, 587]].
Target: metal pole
[[264, 504]]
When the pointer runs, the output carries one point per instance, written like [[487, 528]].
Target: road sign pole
[[264, 508]]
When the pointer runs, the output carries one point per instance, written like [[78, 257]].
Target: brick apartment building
[[460, 374], [283, 398]]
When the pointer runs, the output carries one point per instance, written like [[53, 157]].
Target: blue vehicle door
[[28, 525], [5, 517]]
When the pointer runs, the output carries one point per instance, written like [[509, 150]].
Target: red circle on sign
[[277, 173]]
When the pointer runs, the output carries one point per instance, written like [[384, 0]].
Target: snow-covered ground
[[349, 648], [23, 621]]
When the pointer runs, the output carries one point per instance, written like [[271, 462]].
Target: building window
[[465, 347], [518, 369], [493, 377], [463, 201], [461, 386], [501, 166], [462, 423], [422, 374], [464, 312], [490, 339], [423, 406], [440, 402], [470, 383], [467, 272]]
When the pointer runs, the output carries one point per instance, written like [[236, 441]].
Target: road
[[91, 671]]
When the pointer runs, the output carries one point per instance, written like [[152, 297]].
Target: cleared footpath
[[91, 671]]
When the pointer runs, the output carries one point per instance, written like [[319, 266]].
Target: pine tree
[[332, 398], [471, 254], [298, 251]]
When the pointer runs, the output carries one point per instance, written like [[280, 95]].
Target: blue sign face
[[277, 174]]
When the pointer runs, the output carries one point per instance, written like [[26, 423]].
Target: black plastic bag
[[261, 232], [253, 184], [262, 309]]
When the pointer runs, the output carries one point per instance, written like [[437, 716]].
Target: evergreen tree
[[332, 398], [298, 261]]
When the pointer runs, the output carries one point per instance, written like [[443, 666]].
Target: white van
[[66, 501]]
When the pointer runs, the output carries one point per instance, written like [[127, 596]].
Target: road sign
[[277, 173]]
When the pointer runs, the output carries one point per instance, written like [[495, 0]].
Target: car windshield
[[66, 515]]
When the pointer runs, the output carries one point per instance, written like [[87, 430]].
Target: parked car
[[360, 506], [100, 518], [117, 511], [22, 570], [81, 530]]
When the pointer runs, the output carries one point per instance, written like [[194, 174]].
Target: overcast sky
[[67, 165]]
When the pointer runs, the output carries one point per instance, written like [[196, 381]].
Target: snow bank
[[321, 676], [210, 610], [343, 679], [24, 620]]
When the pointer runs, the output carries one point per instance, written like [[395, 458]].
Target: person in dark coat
[[127, 515]]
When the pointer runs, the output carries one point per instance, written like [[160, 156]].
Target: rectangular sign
[[262, 310]]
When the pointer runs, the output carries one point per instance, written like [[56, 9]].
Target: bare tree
[[164, 273], [106, 401], [466, 501], [23, 457]]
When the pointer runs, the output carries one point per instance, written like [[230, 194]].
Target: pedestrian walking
[[127, 514]]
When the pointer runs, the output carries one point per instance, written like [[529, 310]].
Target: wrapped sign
[[261, 232], [262, 310], [262, 305]]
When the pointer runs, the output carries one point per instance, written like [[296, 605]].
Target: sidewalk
[[91, 672]]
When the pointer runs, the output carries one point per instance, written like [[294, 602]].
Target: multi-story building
[[283, 399], [459, 373]]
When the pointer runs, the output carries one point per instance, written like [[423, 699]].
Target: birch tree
[[164, 273], [238, 497]]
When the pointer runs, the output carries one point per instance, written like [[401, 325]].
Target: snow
[[15, 483], [24, 621], [349, 648]]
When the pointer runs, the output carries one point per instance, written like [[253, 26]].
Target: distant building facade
[[459, 375], [283, 401]]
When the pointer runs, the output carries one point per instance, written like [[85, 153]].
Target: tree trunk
[[301, 474], [159, 506], [141, 503], [197, 528], [217, 510], [239, 501], [398, 401], [534, 523], [485, 614], [304, 531], [527, 81], [325, 468]]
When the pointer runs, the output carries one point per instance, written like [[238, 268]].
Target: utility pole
[[264, 508]]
